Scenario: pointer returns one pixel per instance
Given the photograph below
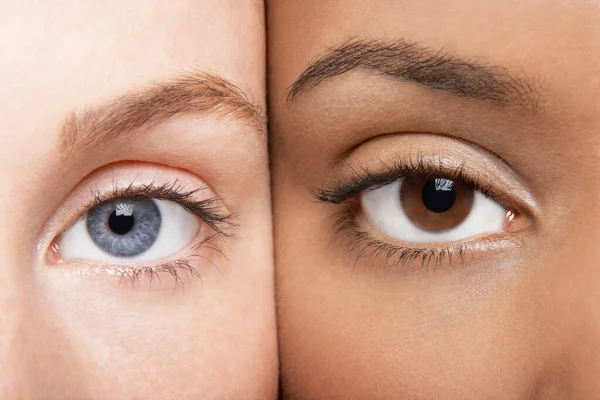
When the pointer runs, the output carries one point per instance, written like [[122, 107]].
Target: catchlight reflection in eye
[[129, 229], [431, 211]]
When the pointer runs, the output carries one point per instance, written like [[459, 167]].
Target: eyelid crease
[[434, 134]]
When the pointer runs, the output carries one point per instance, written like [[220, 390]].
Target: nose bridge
[[577, 296], [16, 290], [25, 338], [13, 305], [583, 346], [13, 347]]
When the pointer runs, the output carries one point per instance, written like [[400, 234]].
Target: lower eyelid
[[201, 258], [179, 271], [363, 243]]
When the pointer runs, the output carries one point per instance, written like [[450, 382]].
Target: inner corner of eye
[[516, 221], [53, 255], [129, 229]]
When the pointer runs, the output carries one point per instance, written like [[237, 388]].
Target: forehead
[[63, 56]]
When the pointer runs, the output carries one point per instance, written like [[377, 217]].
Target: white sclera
[[383, 209], [178, 228]]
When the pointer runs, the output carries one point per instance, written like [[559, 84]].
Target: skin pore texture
[[158, 99], [507, 91]]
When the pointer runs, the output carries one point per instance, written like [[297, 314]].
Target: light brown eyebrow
[[197, 92]]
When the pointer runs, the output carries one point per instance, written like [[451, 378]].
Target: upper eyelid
[[366, 180], [164, 191], [379, 152]]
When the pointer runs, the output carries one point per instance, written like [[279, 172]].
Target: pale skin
[[516, 320], [73, 332]]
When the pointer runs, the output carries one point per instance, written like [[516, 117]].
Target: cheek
[[122, 343], [353, 330], [365, 335]]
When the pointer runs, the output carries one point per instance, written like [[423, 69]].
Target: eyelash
[[363, 243], [365, 180], [207, 210]]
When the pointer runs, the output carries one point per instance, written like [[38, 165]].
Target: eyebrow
[[198, 93], [437, 69]]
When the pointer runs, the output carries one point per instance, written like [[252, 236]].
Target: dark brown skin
[[518, 318]]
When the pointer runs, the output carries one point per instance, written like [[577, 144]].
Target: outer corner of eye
[[127, 229]]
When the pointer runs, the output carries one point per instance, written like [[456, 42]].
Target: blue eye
[[124, 227], [130, 229]]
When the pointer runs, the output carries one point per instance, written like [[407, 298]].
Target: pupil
[[438, 195], [120, 224]]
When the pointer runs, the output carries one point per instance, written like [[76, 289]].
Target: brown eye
[[436, 205], [426, 210]]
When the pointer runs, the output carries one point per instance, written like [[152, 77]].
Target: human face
[[165, 292], [387, 286]]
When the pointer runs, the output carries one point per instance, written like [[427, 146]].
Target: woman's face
[[136, 256], [436, 198]]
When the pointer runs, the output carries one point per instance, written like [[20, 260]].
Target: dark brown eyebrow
[[434, 68], [196, 92]]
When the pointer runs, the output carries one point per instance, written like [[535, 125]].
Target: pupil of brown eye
[[436, 205], [438, 195]]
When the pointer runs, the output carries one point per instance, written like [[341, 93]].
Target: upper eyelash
[[207, 210], [365, 180]]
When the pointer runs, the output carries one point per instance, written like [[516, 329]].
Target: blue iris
[[124, 227]]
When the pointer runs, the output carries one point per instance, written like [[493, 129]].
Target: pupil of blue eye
[[120, 224], [438, 195], [124, 227]]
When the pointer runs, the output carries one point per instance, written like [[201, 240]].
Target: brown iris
[[436, 204]]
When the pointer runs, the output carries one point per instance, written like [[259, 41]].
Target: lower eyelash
[[173, 268], [179, 269], [362, 244]]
